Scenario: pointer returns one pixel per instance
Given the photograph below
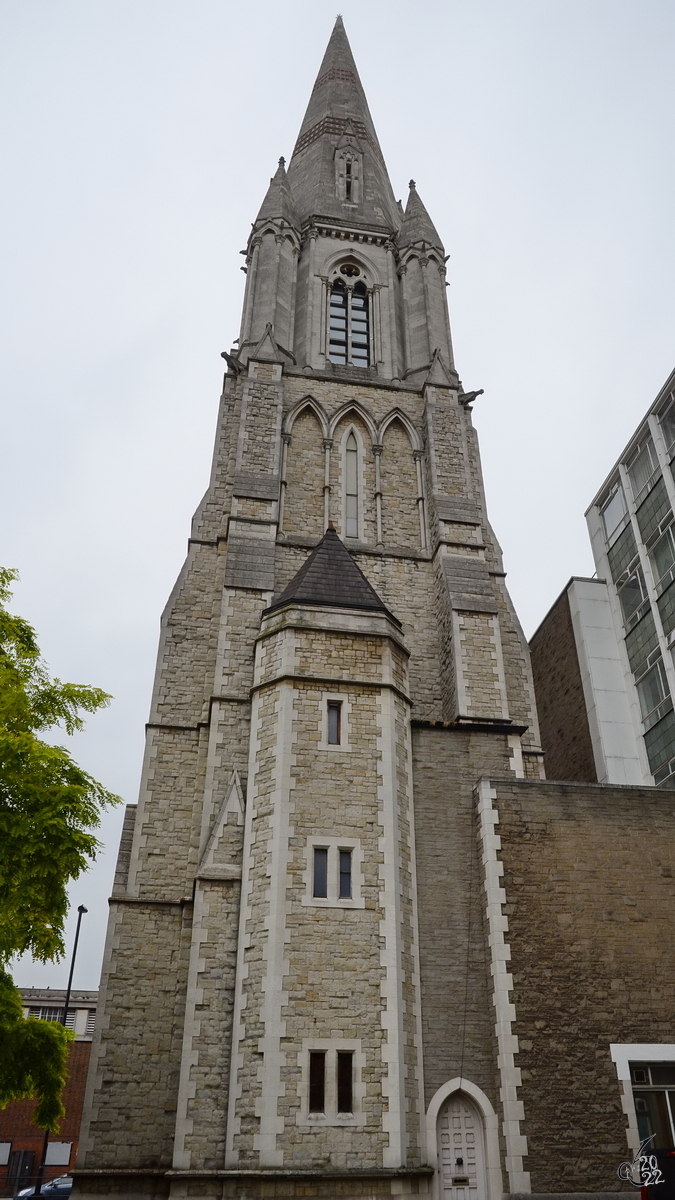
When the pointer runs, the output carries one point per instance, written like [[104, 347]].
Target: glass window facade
[[642, 466], [614, 510], [667, 420]]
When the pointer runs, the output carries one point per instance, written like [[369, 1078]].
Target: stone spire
[[418, 228], [278, 204], [338, 118]]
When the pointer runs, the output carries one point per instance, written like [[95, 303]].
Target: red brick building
[[21, 1141]]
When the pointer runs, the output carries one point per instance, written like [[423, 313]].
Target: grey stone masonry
[[228, 968]]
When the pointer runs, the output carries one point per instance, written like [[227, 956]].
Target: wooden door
[[461, 1150]]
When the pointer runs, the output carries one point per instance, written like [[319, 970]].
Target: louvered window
[[349, 325], [359, 331]]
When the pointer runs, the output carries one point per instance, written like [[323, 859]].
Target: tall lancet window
[[349, 326], [351, 487]]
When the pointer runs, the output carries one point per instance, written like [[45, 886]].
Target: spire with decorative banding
[[338, 110]]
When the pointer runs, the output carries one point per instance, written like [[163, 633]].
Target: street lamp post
[[64, 1014]]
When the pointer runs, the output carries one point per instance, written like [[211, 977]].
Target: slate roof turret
[[331, 577]]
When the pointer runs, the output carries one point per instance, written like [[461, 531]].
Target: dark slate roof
[[331, 577]]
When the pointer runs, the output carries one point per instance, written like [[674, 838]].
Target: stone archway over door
[[461, 1150]]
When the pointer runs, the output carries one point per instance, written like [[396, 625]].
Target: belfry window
[[351, 487], [349, 326], [348, 179], [359, 323]]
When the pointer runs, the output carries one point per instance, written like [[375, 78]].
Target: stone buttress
[[345, 458]]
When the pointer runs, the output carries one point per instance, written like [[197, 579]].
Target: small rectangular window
[[345, 874], [334, 722], [317, 1081], [320, 872], [345, 1103]]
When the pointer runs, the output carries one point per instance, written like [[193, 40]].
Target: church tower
[[300, 993]]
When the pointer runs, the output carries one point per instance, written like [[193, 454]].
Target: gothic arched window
[[351, 487], [349, 326]]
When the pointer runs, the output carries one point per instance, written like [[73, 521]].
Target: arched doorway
[[461, 1150]]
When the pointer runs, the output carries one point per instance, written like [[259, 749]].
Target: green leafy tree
[[49, 809]]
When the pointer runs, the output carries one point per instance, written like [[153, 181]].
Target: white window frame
[[668, 407], [58, 1154], [623, 1054], [343, 745], [331, 1117], [333, 900], [617, 487], [646, 443]]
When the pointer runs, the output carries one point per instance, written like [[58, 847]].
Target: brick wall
[[590, 901], [563, 723], [16, 1120]]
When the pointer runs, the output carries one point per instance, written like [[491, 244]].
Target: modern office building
[[603, 657]]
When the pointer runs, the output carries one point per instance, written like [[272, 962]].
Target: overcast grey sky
[[138, 137]]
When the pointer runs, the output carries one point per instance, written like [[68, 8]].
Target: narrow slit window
[[345, 874], [348, 180], [345, 1100], [337, 347], [334, 722], [320, 889], [352, 487], [317, 1081]]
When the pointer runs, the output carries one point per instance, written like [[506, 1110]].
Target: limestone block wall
[[421, 507], [400, 508], [457, 1015], [336, 974], [305, 478], [589, 902], [129, 1110]]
